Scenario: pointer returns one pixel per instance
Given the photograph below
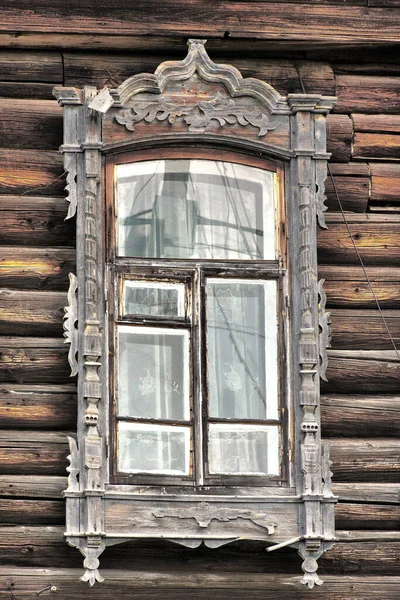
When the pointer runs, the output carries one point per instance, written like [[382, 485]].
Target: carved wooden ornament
[[195, 101]]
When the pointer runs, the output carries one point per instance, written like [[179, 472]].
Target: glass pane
[[242, 349], [154, 299], [153, 449], [195, 209], [243, 449], [153, 373]]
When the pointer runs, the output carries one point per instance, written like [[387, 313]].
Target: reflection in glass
[[153, 373], [195, 209], [154, 299], [153, 449], [243, 449], [242, 349]]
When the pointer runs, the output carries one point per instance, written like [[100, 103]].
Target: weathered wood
[[374, 516], [34, 91], [35, 221], [353, 191], [377, 244], [365, 460], [385, 493], [33, 453], [33, 360], [376, 146], [339, 133], [36, 268], [27, 313], [376, 123], [32, 486], [353, 329], [364, 94], [23, 406], [28, 512], [361, 558], [347, 287], [33, 172], [145, 585], [385, 183], [362, 370], [370, 416], [307, 22], [32, 66], [30, 124]]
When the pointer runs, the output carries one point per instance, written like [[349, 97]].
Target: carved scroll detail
[[71, 186], [92, 549], [73, 468], [204, 514], [198, 116], [321, 208], [70, 320], [325, 334]]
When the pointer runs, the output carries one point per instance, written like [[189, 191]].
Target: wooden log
[[35, 221], [373, 516], [385, 183], [376, 146], [364, 94], [32, 66], [353, 191], [32, 486], [33, 172], [156, 585], [364, 329], [339, 133], [366, 371], [33, 453], [365, 460], [38, 407], [32, 91], [377, 123], [32, 313], [31, 124], [378, 244], [36, 268], [33, 360], [347, 287], [385, 493], [342, 415], [31, 512], [361, 558]]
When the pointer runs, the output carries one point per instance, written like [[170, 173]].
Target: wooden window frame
[[198, 107]]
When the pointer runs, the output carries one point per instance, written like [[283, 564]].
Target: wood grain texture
[[366, 371], [339, 132], [376, 146], [25, 313], [366, 460], [33, 172], [375, 516], [364, 94], [36, 268], [30, 124], [385, 182], [35, 221], [364, 329], [353, 191], [282, 21], [38, 407], [31, 66], [33, 453], [368, 416], [384, 493], [32, 486], [28, 511]]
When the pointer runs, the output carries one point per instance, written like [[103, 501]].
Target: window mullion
[[198, 383]]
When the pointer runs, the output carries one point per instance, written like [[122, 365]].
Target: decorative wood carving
[[325, 333], [70, 321], [231, 111]]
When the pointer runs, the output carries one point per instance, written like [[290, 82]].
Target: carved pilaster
[[325, 332], [70, 321]]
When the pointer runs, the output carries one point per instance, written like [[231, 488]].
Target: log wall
[[360, 405]]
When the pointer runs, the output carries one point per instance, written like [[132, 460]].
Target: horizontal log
[[364, 371], [370, 416], [365, 460], [31, 91], [31, 124], [33, 453], [32, 486], [364, 94], [364, 329], [36, 268], [377, 244], [356, 169], [361, 558], [376, 145], [339, 133], [34, 172], [32, 66], [38, 407], [353, 192], [33, 360], [384, 493], [283, 21], [373, 516], [170, 586], [377, 123], [385, 183], [28, 512], [32, 313], [35, 221]]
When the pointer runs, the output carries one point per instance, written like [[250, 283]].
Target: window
[[194, 318], [196, 270]]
